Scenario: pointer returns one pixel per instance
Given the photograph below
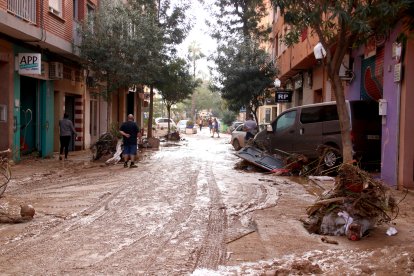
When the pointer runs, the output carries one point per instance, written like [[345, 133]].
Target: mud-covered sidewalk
[[186, 209]]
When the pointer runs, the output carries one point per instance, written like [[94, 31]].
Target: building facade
[[41, 78], [372, 72]]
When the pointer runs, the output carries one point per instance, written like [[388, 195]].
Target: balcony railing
[[24, 9]]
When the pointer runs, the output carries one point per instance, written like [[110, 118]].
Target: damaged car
[[305, 129]]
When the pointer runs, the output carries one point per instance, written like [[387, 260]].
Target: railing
[[24, 9]]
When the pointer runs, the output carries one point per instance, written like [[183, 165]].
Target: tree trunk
[[169, 116], [151, 111], [343, 115]]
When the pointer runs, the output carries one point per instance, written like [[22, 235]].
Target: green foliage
[[238, 18], [126, 44], [175, 82], [228, 117], [245, 73], [357, 20], [114, 130], [190, 124]]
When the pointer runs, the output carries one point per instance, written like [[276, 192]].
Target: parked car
[[234, 125], [303, 129], [162, 123], [182, 125], [237, 136]]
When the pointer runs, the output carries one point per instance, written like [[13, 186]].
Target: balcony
[[24, 9]]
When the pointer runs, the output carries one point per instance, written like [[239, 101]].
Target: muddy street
[[185, 210]]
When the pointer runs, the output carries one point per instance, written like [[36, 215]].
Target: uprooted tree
[[339, 25]]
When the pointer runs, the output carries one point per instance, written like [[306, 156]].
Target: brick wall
[[59, 26]]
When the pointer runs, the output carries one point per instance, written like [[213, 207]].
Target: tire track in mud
[[213, 250]]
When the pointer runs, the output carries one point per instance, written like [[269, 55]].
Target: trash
[[27, 211], [321, 178], [355, 204], [391, 231], [117, 155], [326, 240], [106, 145]]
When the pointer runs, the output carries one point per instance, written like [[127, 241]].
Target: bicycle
[[5, 170]]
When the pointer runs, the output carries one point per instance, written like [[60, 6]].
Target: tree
[[339, 25], [245, 74], [129, 42], [173, 28], [239, 18], [194, 54], [175, 83], [238, 29], [115, 42]]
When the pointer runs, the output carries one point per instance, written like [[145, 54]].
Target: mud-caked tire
[[331, 157], [236, 144]]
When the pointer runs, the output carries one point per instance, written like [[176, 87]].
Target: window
[[3, 113], [55, 6], [286, 120], [318, 114], [268, 112], [75, 9], [90, 15]]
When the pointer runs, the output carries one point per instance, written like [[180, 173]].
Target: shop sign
[[283, 96], [29, 64]]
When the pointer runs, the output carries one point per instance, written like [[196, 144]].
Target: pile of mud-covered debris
[[109, 146], [356, 204]]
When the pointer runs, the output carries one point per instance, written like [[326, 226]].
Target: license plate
[[373, 137]]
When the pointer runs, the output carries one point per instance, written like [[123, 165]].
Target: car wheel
[[331, 157], [236, 144]]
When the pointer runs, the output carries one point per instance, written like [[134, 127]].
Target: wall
[[406, 153], [6, 93]]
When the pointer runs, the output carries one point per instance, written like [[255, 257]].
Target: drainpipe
[[397, 152]]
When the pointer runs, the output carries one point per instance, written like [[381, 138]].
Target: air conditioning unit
[[56, 70]]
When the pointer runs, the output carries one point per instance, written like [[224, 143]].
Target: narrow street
[[185, 210]]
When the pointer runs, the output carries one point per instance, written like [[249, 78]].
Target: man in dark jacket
[[66, 131], [129, 131]]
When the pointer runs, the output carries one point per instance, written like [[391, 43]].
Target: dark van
[[303, 129]]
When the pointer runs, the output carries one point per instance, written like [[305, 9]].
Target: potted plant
[[190, 127]]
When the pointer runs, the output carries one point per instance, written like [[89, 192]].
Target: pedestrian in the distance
[[130, 132], [210, 124], [201, 124], [216, 128], [66, 130], [250, 126]]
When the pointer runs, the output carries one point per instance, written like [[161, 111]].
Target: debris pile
[[106, 145], [355, 205]]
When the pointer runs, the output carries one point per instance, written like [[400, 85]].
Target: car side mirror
[[269, 129]]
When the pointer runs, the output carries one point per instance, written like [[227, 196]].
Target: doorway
[[29, 119], [70, 110]]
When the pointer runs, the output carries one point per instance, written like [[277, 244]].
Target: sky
[[199, 34]]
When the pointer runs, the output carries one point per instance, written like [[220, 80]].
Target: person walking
[[201, 124], [66, 130], [130, 132], [250, 126], [216, 128], [210, 124]]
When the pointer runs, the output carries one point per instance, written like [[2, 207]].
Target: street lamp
[[277, 83]]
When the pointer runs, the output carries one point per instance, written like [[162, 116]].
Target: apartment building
[[41, 78], [371, 72]]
